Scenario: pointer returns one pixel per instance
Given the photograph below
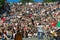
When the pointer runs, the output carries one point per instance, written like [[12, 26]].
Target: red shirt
[[30, 15], [53, 24], [3, 19]]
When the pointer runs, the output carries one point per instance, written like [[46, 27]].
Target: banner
[[38, 0], [13, 0], [19, 0]]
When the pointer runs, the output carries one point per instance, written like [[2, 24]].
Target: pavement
[[25, 39], [33, 38]]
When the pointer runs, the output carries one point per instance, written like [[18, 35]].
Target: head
[[39, 24]]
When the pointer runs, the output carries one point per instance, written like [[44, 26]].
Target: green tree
[[2, 2], [49, 0], [24, 1]]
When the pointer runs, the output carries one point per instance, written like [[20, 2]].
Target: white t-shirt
[[40, 28]]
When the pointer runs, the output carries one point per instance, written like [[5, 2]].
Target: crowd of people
[[27, 18]]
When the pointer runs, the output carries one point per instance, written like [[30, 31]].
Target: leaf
[[24, 1], [1, 3]]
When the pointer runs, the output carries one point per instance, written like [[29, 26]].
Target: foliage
[[49, 0], [2, 3], [24, 1]]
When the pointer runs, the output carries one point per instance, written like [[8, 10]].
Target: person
[[58, 34], [40, 31], [4, 35], [18, 35]]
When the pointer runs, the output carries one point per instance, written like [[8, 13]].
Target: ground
[[33, 38]]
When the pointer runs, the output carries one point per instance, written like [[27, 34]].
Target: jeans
[[57, 38], [40, 35], [3, 37]]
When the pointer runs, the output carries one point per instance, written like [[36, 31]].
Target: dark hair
[[39, 23]]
